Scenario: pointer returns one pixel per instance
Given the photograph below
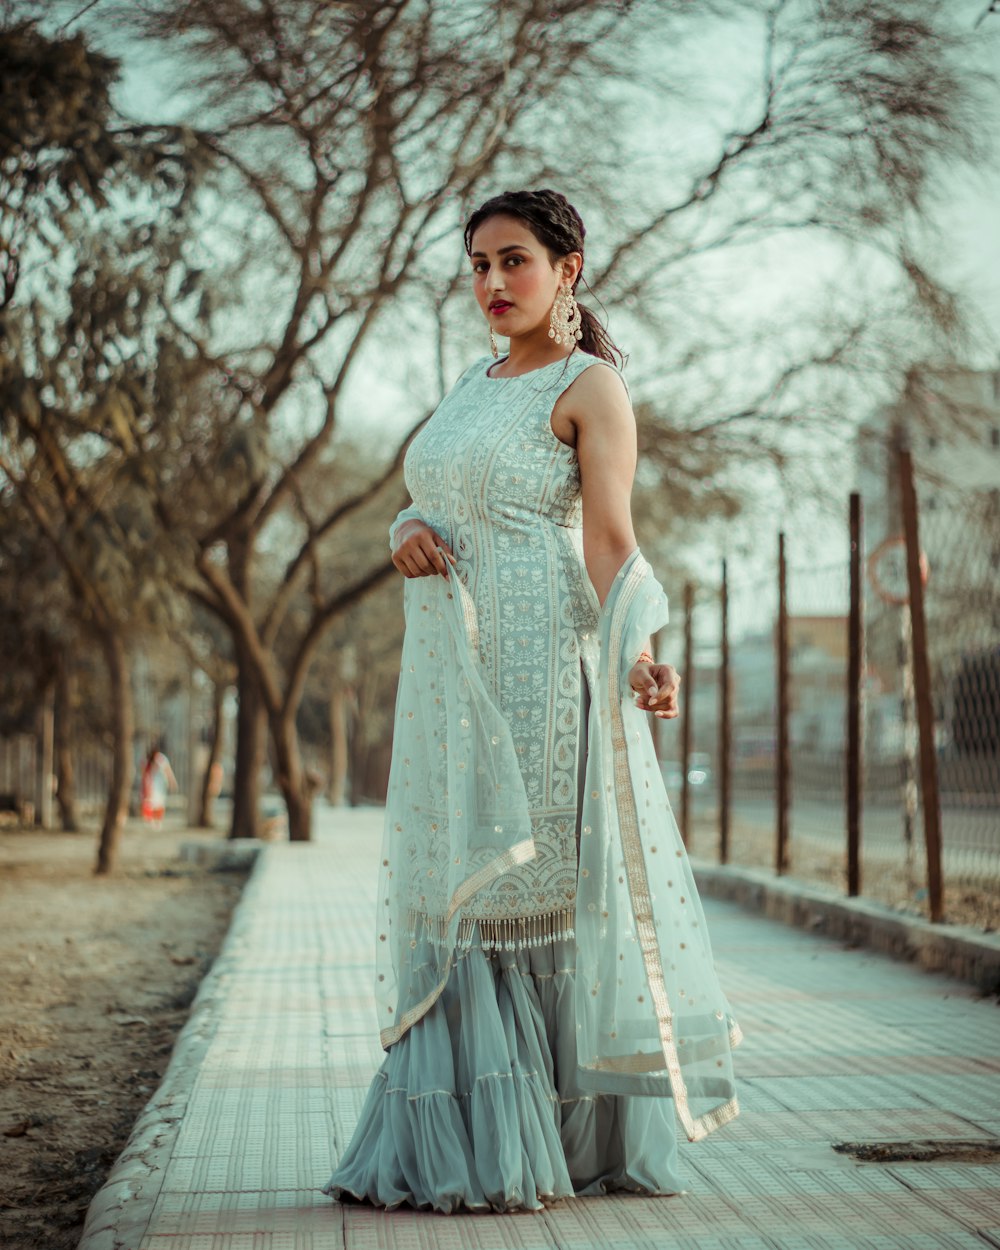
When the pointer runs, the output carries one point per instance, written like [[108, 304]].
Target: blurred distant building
[[818, 662], [818, 665]]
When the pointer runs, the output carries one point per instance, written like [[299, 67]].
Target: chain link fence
[[960, 538]]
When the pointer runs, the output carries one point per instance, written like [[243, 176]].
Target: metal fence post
[[922, 689], [781, 762], [724, 726], [854, 675], [687, 687]]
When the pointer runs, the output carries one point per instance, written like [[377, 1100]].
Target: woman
[[157, 778], [545, 984]]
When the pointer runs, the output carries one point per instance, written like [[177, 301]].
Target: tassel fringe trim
[[512, 933]]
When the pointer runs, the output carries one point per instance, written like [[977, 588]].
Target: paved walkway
[[841, 1045]]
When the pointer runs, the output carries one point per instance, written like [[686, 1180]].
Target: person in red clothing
[[157, 779]]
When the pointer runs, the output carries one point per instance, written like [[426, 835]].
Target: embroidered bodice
[[488, 474]]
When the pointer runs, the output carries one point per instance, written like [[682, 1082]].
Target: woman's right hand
[[415, 553]]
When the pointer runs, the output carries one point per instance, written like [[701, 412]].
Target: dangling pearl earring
[[565, 318], [493, 344]]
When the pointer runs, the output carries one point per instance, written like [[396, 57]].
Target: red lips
[[500, 305]]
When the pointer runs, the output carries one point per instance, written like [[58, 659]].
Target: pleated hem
[[599, 1189], [477, 1107], [339, 1193]]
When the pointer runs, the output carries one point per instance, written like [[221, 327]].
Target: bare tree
[[353, 139], [80, 348], [359, 131]]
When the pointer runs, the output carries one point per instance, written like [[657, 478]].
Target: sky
[[717, 69]]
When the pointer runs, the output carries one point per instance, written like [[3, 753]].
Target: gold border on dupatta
[[635, 871], [520, 853]]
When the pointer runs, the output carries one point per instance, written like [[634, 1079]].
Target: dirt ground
[[97, 978], [967, 900]]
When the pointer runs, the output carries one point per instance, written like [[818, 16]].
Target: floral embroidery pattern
[[489, 475]]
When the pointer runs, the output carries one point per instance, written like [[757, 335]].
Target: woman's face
[[512, 271]]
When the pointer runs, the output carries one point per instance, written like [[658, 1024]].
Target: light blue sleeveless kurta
[[477, 1105]]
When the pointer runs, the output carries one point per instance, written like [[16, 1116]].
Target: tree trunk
[[122, 720], [369, 761], [208, 789], [46, 769], [251, 731], [296, 787], [357, 769], [251, 716], [65, 778], [338, 745]]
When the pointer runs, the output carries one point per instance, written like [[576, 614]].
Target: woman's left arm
[[599, 408], [606, 448]]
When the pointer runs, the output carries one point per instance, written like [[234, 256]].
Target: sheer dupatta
[[456, 809], [651, 1016]]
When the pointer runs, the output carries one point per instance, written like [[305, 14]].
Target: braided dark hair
[[557, 225]]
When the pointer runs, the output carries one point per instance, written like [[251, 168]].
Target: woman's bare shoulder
[[596, 393]]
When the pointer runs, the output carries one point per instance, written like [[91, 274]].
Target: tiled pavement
[[841, 1045]]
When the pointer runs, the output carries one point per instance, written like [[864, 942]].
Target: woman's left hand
[[657, 686]]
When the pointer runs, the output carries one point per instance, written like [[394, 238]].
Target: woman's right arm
[[414, 546], [408, 514]]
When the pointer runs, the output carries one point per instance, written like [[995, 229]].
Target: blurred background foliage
[[200, 318]]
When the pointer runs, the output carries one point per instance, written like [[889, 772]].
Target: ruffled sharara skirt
[[477, 1106]]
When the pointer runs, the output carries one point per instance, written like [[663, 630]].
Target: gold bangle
[[645, 657]]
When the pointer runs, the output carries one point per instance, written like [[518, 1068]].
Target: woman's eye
[[480, 264]]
